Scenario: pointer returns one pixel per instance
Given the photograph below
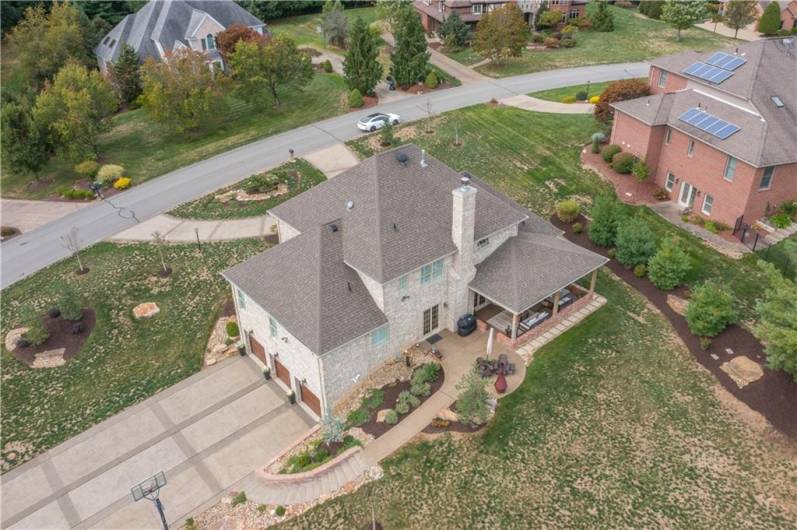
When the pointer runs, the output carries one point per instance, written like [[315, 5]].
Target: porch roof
[[528, 268]]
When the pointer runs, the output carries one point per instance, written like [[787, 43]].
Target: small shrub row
[[122, 183], [77, 194], [623, 163], [609, 151]]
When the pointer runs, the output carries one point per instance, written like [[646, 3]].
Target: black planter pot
[[267, 374]]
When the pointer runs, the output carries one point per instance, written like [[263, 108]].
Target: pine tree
[[769, 23], [454, 32], [738, 14], [670, 266], [24, 143], [126, 75], [361, 67], [606, 216], [409, 57], [602, 18]]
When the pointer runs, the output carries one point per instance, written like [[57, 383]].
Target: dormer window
[[483, 242], [777, 101], [209, 43]]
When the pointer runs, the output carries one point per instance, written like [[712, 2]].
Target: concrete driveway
[[207, 434]]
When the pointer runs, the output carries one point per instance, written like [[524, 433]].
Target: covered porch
[[530, 285]]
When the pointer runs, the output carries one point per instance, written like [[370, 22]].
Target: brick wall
[[673, 82], [783, 188]]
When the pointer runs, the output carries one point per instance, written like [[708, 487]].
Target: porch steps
[[780, 234]]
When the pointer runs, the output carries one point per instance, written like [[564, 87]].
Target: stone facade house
[[434, 12], [718, 130], [387, 254], [163, 27]]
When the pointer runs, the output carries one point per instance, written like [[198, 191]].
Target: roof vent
[[402, 158], [349, 205], [395, 227], [423, 158], [348, 286], [777, 101], [464, 180], [333, 227]]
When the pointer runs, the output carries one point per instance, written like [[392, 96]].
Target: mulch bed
[[454, 426], [60, 337], [392, 391], [640, 192], [9, 232], [420, 88], [368, 102], [774, 395]]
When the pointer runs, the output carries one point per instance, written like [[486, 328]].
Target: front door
[[257, 349], [687, 196], [282, 373], [310, 399], [430, 320]]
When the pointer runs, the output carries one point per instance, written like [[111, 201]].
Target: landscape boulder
[[146, 310]]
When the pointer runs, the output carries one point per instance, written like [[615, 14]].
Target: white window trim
[[668, 185], [690, 149], [475, 11], [662, 78], [668, 136], [725, 176], [705, 200], [771, 178]]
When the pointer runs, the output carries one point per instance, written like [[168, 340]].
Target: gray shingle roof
[[528, 268], [385, 192], [165, 22], [304, 284], [770, 70]]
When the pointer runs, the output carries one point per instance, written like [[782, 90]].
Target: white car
[[377, 120]]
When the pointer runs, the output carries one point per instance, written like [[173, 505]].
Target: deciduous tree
[[619, 91], [738, 14], [227, 39], [776, 325], [683, 14], [409, 57], [651, 8], [501, 33], [361, 66], [125, 75], [181, 93], [391, 11], [73, 110], [769, 23], [334, 23]]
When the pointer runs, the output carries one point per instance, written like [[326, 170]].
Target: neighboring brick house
[[162, 27], [386, 254], [718, 131], [434, 12], [788, 11]]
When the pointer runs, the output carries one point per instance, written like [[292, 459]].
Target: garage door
[[311, 400], [258, 349], [282, 373]]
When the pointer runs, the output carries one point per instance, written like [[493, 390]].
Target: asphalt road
[[30, 252]]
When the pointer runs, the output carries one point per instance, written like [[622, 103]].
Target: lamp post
[[588, 82], [150, 490]]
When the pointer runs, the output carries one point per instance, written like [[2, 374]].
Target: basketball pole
[[159, 506]]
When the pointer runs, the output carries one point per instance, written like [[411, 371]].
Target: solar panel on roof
[[726, 61], [709, 73], [709, 123]]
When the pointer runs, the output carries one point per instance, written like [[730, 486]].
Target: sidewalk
[[540, 105]]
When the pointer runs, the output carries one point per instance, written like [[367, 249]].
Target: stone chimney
[[462, 270]]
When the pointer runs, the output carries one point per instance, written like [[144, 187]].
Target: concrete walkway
[[465, 74], [745, 34], [28, 215], [525, 102], [333, 160], [672, 212], [207, 433]]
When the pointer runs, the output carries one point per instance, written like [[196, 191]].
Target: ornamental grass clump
[[609, 151]]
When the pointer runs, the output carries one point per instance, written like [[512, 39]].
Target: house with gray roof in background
[[163, 27], [391, 252]]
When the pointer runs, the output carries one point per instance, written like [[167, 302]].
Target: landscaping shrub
[[581, 95], [789, 208], [37, 333], [769, 22], [391, 417], [635, 243], [78, 328], [327, 65], [550, 42], [651, 8], [609, 151], [374, 399], [568, 210], [402, 407], [69, 303], [431, 80], [595, 100], [549, 19], [261, 509], [623, 163], [407, 398], [602, 18], [568, 43], [711, 227], [640, 170], [333, 429], [569, 99], [386, 137], [472, 401], [261, 183], [356, 99], [619, 91], [606, 214], [584, 22], [426, 373], [780, 220], [232, 329], [596, 146], [537, 38], [705, 343], [122, 183], [87, 169], [661, 194], [358, 417], [611, 253], [239, 498], [669, 267], [108, 173], [54, 312], [570, 29], [711, 309], [640, 271], [783, 32], [190, 524], [279, 511], [421, 389], [77, 194], [578, 228], [776, 322]]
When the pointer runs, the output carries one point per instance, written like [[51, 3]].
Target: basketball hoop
[[150, 489]]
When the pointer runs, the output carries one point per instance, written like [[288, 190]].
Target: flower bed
[[63, 342], [445, 422], [317, 452]]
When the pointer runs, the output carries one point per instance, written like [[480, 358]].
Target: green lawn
[[306, 29], [534, 158], [635, 38], [147, 150], [556, 94], [300, 176], [614, 426], [124, 360]]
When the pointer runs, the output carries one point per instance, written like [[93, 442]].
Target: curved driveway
[[33, 251]]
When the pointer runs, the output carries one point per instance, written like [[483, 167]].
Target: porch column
[[555, 304], [592, 282], [515, 322]]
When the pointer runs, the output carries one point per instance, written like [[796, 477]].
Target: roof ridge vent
[[402, 158]]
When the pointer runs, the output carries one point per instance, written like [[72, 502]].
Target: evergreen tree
[[683, 14], [126, 75], [24, 145], [651, 8], [606, 214], [711, 309], [602, 18], [454, 31], [738, 14], [635, 243], [769, 23], [361, 67], [776, 323], [669, 267], [409, 57]]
